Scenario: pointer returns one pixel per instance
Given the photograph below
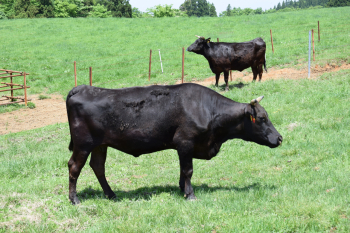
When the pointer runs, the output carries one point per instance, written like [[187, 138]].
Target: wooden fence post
[[25, 89], [273, 51], [318, 22], [75, 73], [150, 62], [11, 87], [183, 64], [313, 44], [217, 39], [90, 68]]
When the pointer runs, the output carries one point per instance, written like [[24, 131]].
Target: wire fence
[[289, 46]]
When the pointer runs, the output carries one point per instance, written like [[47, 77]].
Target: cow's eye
[[262, 119]]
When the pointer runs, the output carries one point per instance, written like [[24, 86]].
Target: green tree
[[118, 8], [100, 11], [64, 9], [283, 5], [212, 10], [278, 6], [190, 7], [160, 11], [258, 11], [136, 13], [337, 3], [228, 10], [202, 8]]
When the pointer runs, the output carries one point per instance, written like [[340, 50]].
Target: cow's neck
[[229, 122]]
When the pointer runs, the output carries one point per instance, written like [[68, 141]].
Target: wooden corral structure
[[10, 86]]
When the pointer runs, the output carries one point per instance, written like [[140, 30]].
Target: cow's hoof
[[227, 89], [112, 196], [191, 197], [74, 201]]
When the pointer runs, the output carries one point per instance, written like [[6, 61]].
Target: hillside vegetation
[[118, 49]]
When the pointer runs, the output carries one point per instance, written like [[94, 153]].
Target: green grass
[[299, 187], [118, 49], [11, 107]]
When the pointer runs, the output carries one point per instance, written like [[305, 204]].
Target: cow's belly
[[139, 141], [206, 152]]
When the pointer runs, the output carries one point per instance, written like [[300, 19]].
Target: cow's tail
[[74, 91], [265, 63]]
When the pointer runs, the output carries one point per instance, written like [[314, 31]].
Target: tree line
[[286, 5], [13, 9]]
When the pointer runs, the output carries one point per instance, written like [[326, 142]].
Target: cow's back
[[137, 120]]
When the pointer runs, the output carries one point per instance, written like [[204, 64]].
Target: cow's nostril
[[280, 139]]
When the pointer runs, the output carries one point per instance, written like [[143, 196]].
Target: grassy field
[[299, 187], [118, 49]]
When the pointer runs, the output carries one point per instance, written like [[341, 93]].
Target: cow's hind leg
[[217, 77], [186, 170], [255, 72], [260, 71], [226, 80], [75, 164], [97, 163]]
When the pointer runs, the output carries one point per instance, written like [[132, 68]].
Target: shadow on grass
[[146, 193], [231, 86]]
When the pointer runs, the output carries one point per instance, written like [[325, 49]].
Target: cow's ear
[[248, 110], [208, 42]]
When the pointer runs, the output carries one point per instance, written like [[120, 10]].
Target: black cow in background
[[223, 57]]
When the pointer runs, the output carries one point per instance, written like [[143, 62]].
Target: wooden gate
[[10, 86]]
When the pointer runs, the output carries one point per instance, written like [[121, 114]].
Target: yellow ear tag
[[252, 119]]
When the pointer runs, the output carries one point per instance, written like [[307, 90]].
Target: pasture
[[301, 186], [118, 49]]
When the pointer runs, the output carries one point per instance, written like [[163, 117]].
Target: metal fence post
[[309, 53], [90, 68], [75, 73], [150, 62], [318, 22], [183, 64]]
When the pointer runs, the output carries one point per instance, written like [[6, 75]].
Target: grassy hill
[[118, 49]]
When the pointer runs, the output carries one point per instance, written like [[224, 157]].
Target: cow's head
[[258, 127], [199, 45]]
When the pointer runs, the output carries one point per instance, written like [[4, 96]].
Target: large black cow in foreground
[[189, 118], [223, 57]]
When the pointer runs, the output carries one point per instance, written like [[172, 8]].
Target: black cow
[[189, 118], [223, 57]]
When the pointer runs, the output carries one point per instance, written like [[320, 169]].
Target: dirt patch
[[47, 112], [273, 73], [52, 111]]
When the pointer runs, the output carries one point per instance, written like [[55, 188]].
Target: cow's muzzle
[[280, 139]]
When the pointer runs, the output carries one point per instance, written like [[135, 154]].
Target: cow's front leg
[[226, 80], [75, 164], [217, 77], [97, 163], [260, 71], [186, 171]]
